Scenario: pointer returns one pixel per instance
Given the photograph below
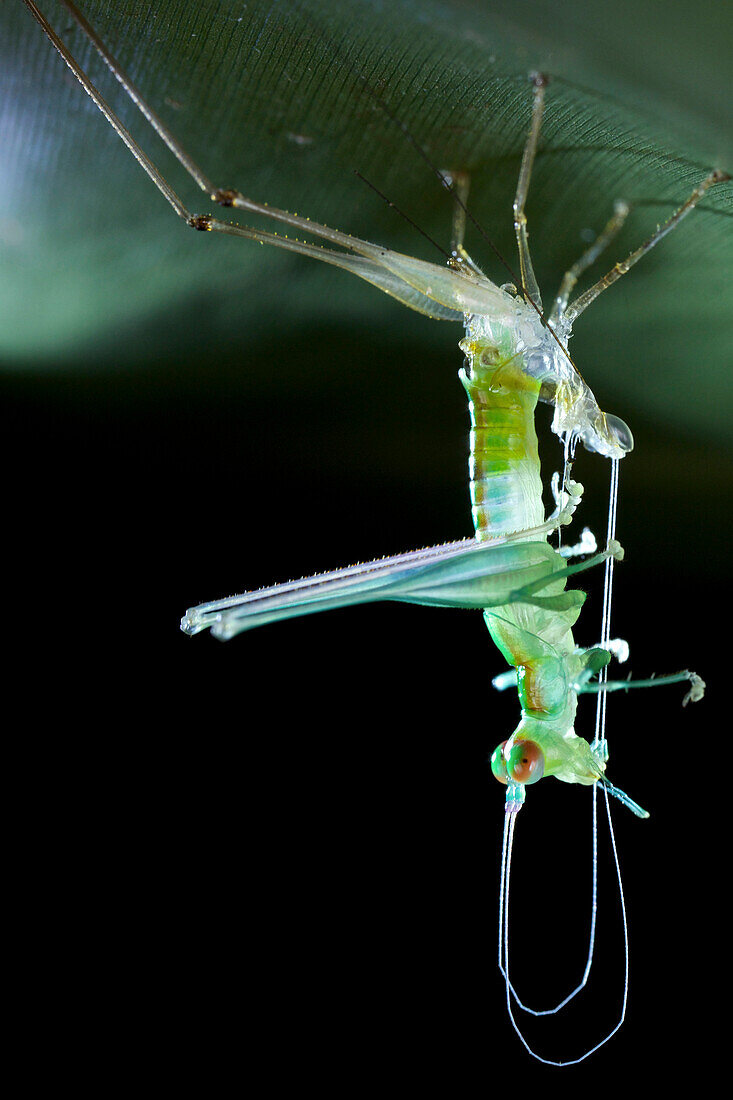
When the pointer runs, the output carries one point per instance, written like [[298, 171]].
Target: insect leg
[[143, 160], [459, 183], [694, 695], [604, 238], [223, 196], [583, 686], [467, 574], [419, 285], [582, 302], [529, 281], [526, 593]]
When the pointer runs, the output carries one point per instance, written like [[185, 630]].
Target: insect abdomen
[[504, 464]]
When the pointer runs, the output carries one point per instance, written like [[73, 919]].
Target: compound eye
[[498, 763], [526, 762]]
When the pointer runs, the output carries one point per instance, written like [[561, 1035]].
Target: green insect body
[[535, 637]]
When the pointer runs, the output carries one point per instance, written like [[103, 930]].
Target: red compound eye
[[526, 762], [498, 763]]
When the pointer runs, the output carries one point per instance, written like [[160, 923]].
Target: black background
[[294, 836]]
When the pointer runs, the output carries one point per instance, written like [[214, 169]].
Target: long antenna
[[410, 221]]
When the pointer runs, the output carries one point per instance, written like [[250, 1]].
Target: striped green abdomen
[[504, 464]]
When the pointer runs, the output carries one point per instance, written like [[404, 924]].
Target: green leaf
[[284, 101]]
